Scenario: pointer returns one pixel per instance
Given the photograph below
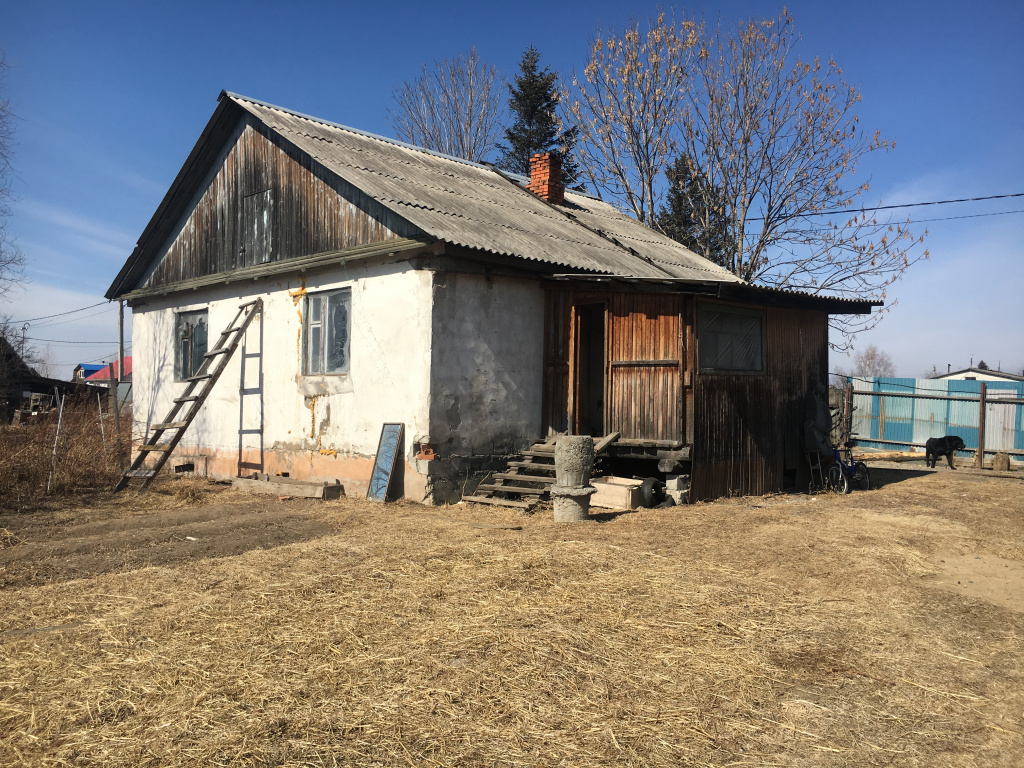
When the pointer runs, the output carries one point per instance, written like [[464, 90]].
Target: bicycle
[[843, 476]]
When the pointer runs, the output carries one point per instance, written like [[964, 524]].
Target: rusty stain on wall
[[297, 295]]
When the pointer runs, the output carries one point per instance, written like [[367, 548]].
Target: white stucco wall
[[486, 379], [319, 427]]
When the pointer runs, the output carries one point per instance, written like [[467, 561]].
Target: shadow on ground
[[48, 553], [883, 476]]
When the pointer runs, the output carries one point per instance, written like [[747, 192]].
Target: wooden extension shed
[[483, 310]]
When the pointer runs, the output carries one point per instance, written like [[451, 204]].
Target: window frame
[[309, 325], [181, 371], [754, 312]]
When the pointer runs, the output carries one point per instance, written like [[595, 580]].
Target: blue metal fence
[[907, 422]]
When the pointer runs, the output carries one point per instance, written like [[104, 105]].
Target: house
[[103, 374], [481, 310], [85, 370], [980, 374], [101, 378]]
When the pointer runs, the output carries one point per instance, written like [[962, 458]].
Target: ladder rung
[[186, 398], [170, 425], [141, 473], [154, 447], [200, 377], [221, 351], [229, 331], [248, 303]]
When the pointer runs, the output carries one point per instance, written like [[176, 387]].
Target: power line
[[967, 216], [903, 205], [74, 319], [60, 314], [939, 218], [94, 360]]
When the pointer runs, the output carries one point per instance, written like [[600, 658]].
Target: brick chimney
[[546, 177]]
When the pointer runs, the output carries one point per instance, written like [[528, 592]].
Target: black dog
[[942, 446]]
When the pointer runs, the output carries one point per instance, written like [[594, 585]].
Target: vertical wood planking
[[644, 384], [313, 211], [748, 428]]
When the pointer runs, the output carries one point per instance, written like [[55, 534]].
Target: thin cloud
[[96, 234]]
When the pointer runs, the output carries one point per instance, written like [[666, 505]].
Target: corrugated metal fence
[[904, 413]]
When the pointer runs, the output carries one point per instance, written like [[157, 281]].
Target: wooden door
[[645, 367]]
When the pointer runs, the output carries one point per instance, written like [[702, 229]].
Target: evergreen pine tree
[[533, 101], [695, 214]]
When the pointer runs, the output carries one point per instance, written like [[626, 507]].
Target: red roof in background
[[104, 373]]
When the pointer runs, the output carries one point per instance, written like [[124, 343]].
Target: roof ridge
[[357, 131], [484, 166]]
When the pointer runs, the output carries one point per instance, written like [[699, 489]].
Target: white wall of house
[[321, 427], [487, 371], [977, 375]]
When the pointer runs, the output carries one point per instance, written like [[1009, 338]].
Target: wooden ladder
[[529, 477], [198, 389]]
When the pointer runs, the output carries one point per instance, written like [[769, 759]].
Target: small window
[[190, 343], [326, 330], [730, 339]]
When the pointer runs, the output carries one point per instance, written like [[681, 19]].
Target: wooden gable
[[264, 201]]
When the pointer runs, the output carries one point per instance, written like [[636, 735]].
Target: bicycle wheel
[[861, 476], [838, 481]]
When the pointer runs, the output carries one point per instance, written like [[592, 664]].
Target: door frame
[[575, 327]]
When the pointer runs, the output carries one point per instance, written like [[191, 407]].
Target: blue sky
[[111, 97]]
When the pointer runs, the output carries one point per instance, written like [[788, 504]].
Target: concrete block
[[679, 497], [677, 482]]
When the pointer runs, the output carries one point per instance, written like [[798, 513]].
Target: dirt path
[[52, 551]]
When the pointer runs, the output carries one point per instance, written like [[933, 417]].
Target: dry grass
[[82, 460], [779, 631]]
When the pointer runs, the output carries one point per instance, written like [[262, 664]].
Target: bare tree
[[627, 107], [868, 363], [780, 136], [455, 108], [12, 261], [773, 139]]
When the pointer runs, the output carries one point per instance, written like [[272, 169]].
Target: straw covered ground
[[199, 626]]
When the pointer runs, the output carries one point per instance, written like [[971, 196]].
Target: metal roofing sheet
[[474, 206]]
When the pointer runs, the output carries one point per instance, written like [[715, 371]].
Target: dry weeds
[[777, 631], [34, 458]]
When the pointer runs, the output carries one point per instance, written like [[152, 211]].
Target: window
[[190, 343], [326, 330], [730, 339]]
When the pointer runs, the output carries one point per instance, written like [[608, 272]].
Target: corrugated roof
[[474, 206]]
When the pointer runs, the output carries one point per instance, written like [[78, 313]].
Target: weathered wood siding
[[263, 202], [645, 361], [645, 365], [748, 429]]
